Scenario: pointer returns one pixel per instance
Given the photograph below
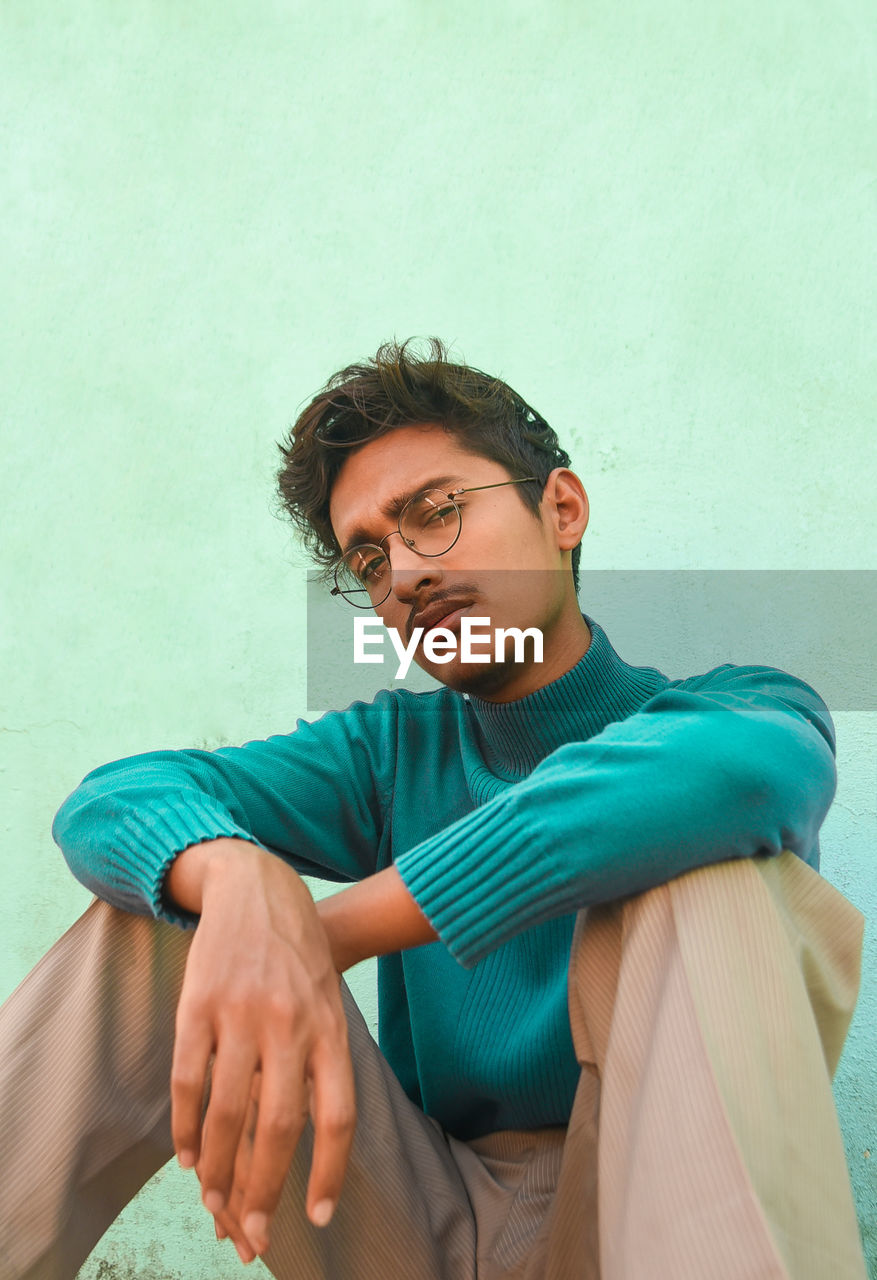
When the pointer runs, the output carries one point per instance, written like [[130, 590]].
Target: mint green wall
[[654, 220]]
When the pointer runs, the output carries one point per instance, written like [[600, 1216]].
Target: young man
[[613, 987]]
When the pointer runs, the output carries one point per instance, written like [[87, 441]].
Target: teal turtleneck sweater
[[503, 820]]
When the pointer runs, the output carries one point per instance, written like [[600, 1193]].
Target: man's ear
[[565, 505]]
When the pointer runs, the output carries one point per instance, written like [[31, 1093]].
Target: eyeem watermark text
[[441, 645]]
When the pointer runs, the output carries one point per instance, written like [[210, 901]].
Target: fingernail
[[322, 1213], [186, 1159], [221, 1233], [214, 1201], [256, 1229], [245, 1254]]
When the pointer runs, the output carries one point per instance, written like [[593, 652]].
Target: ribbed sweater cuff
[[159, 831], [484, 885]]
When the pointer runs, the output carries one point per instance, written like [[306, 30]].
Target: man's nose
[[411, 571]]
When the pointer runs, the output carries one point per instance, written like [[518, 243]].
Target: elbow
[[65, 836], [783, 789]]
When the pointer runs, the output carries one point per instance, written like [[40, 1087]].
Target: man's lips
[[449, 621], [445, 614]]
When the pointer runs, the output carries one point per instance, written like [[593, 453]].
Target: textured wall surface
[[654, 220]]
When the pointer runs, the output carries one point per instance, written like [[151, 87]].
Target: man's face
[[506, 564]]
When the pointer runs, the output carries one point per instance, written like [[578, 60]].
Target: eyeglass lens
[[430, 525]]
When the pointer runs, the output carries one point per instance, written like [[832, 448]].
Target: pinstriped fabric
[[84, 1070], [85, 1052], [786, 965], [403, 1211], [417, 1204], [708, 1016], [708, 1009], [511, 1181]]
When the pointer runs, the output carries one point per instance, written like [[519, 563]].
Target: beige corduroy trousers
[[708, 1016]]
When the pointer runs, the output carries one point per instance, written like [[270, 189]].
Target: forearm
[[689, 781], [374, 917], [313, 796]]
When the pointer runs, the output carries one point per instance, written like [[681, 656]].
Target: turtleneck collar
[[599, 689]]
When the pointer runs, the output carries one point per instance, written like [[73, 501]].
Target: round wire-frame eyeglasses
[[429, 523]]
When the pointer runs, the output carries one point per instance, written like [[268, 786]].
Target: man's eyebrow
[[392, 508]]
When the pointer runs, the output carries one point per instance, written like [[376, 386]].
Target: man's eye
[[371, 569], [442, 514]]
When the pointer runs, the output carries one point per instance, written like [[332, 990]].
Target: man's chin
[[483, 679]]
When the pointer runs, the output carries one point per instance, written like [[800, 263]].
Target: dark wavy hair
[[395, 389]]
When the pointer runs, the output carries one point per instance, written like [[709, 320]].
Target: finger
[[224, 1231], [242, 1164], [193, 1046], [227, 1221], [230, 1098], [227, 1226], [333, 1108], [282, 1112]]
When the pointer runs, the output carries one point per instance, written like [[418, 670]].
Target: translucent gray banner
[[820, 625]]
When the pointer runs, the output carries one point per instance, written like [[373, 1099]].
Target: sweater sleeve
[[736, 762], [316, 797]]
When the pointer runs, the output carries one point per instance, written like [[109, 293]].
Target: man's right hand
[[262, 995]]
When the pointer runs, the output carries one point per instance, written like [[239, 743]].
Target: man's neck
[[565, 645]]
